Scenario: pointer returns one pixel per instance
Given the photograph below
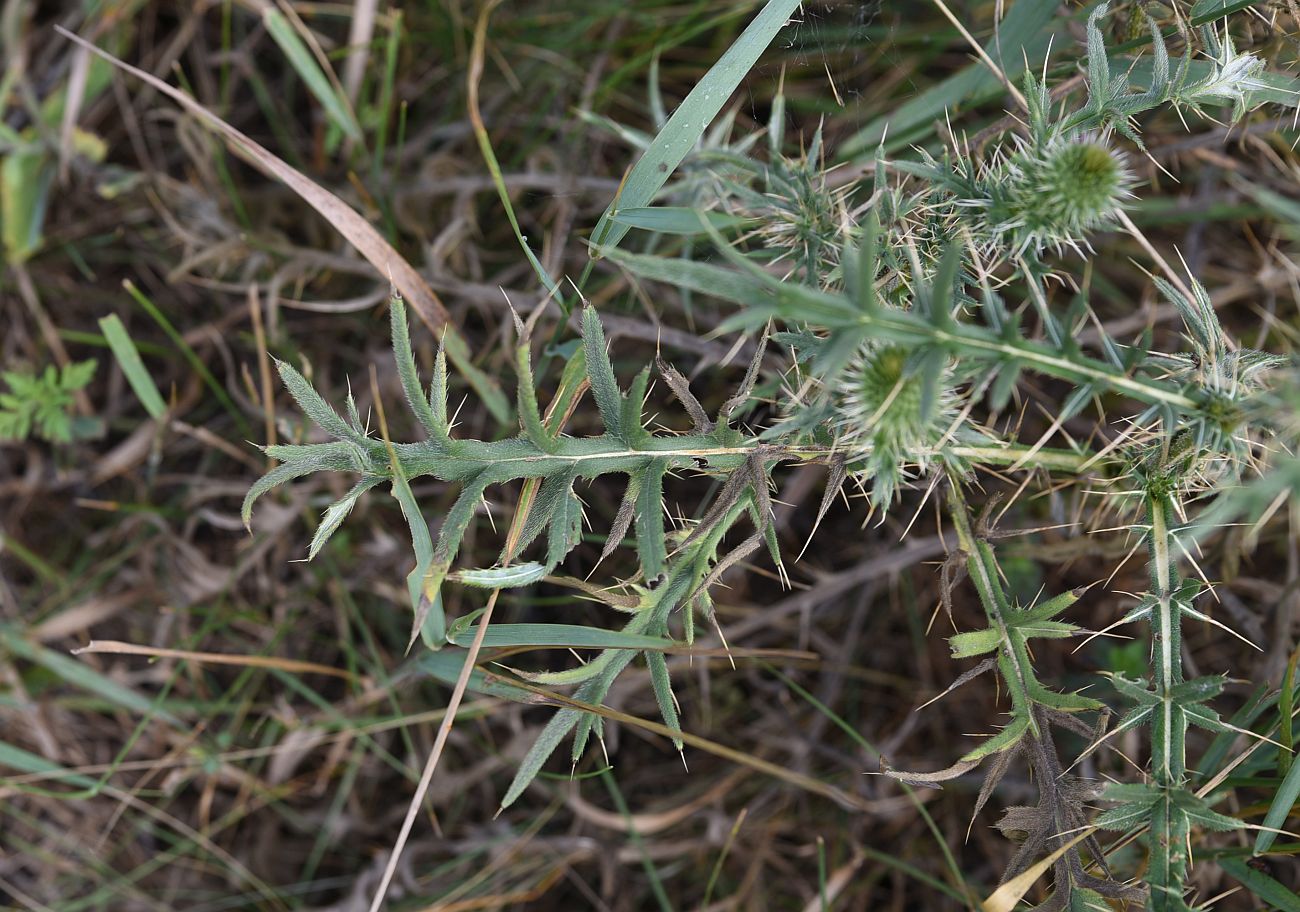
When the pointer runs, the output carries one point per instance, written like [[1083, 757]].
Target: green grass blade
[[424, 581], [309, 70], [1283, 801], [25, 176], [78, 674], [547, 636], [1266, 888], [652, 874], [675, 219], [490, 155], [28, 763], [1208, 10], [1023, 37], [691, 119], [128, 358], [446, 666], [194, 360]]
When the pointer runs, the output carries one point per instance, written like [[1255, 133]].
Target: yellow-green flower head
[[1051, 196], [882, 418]]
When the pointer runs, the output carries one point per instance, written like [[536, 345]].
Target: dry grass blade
[[360, 233], [115, 647], [1006, 897], [359, 36]]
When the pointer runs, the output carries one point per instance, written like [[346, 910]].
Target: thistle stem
[[1169, 832]]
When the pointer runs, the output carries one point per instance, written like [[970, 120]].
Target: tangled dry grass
[[260, 747]]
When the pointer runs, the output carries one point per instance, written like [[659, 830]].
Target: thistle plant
[[885, 421], [892, 298], [1052, 193], [1169, 705], [558, 462]]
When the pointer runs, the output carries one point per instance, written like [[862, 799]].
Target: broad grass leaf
[[310, 71], [1268, 890], [1284, 801], [1022, 38], [128, 358], [676, 219], [551, 636], [25, 176], [80, 675], [687, 124], [446, 667]]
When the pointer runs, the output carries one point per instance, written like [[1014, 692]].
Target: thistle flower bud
[[1050, 196], [883, 418]]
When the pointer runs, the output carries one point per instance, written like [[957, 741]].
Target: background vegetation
[[250, 727]]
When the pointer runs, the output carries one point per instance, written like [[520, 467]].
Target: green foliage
[[128, 358], [41, 404], [559, 462], [910, 304]]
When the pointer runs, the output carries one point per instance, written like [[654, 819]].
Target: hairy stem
[[1169, 835]]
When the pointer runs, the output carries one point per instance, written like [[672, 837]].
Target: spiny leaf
[[509, 577], [579, 674], [337, 512], [406, 371], [604, 388], [663, 689], [976, 642], [277, 476], [1005, 739], [530, 416], [549, 497], [438, 392], [310, 401], [630, 417], [681, 388], [566, 528], [650, 518], [555, 731], [458, 517], [622, 519]]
